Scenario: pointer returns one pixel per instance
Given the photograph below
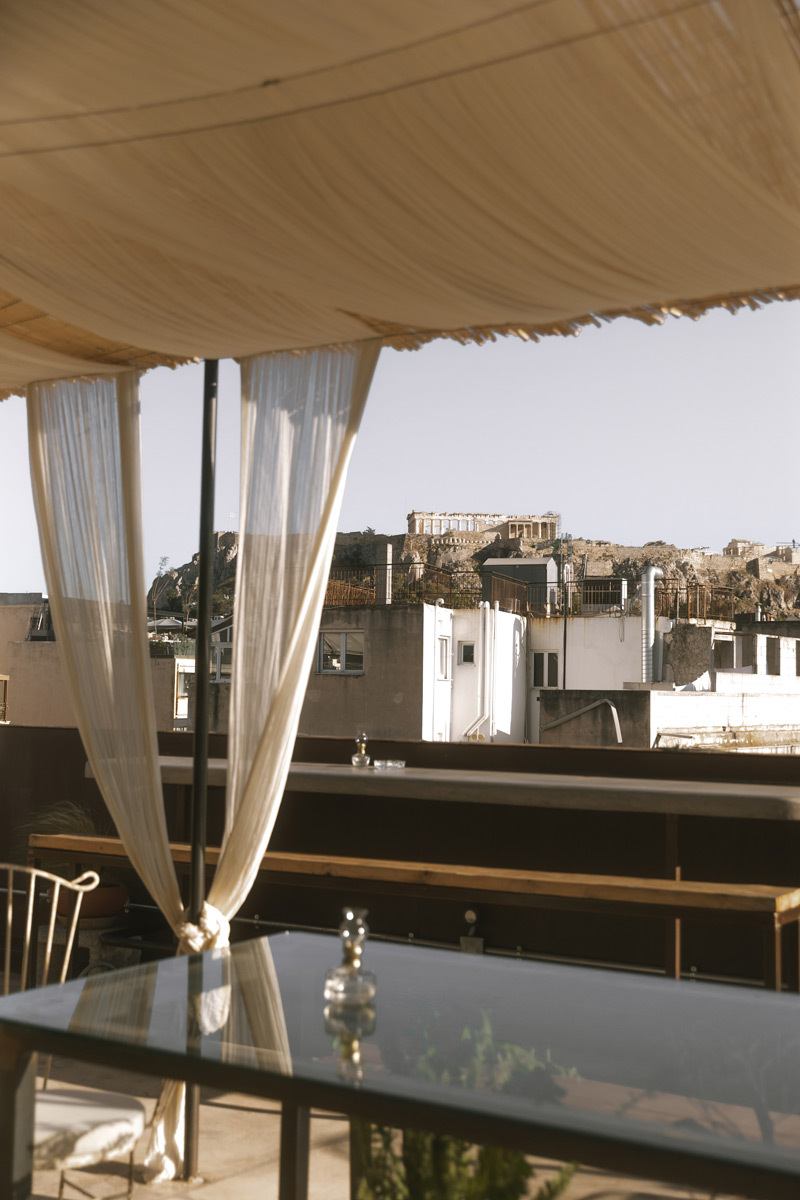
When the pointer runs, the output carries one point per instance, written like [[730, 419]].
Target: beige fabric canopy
[[185, 178]]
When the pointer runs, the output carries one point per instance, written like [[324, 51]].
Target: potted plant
[[108, 899], [413, 1163]]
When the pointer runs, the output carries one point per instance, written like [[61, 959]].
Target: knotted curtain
[[300, 416]]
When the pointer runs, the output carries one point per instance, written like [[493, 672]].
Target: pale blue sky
[[687, 432]]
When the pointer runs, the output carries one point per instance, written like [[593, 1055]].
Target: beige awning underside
[[196, 179]]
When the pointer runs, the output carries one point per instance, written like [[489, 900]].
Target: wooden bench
[[768, 906]]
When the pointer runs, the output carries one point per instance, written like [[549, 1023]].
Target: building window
[[443, 666], [773, 656], [466, 653], [545, 663], [181, 705], [723, 655], [341, 653]]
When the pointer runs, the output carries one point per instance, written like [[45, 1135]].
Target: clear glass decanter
[[348, 986], [360, 758]]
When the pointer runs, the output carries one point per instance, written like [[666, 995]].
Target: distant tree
[[173, 601], [369, 531], [160, 584], [222, 599], [189, 598]]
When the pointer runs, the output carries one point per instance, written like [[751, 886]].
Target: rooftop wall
[[387, 699], [37, 693]]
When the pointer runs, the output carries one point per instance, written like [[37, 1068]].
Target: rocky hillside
[[176, 589], [775, 586]]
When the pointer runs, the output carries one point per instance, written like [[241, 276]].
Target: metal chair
[[74, 1128]]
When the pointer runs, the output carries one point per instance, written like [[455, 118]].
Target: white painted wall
[[509, 695], [436, 685], [502, 702], [467, 677], [739, 681], [720, 710], [788, 657], [602, 651]]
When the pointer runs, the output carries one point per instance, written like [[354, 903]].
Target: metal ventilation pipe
[[648, 620]]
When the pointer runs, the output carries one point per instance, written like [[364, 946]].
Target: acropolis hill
[[758, 576]]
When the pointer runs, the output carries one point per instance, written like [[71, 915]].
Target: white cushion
[[77, 1128]]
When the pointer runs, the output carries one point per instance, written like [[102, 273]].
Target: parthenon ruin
[[535, 527]]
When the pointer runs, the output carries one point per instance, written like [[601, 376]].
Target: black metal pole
[[201, 666], [565, 610], [203, 640]]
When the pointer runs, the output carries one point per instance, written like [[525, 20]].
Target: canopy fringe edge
[[408, 338], [171, 362], [400, 337]]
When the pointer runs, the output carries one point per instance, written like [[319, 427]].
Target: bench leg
[[673, 947], [672, 871], [772, 955]]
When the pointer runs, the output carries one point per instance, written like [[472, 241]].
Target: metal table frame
[[721, 1168]]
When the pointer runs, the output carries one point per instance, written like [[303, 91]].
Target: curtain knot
[[211, 931]]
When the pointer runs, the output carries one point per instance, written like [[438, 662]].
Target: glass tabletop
[[638, 1060]]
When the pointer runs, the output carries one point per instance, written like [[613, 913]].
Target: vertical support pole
[[359, 1143], [202, 655], [564, 618], [295, 1128], [17, 1083]]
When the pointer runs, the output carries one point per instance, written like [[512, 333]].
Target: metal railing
[[695, 602], [220, 661], [347, 586], [405, 583], [418, 585], [510, 594], [581, 598], [414, 583]]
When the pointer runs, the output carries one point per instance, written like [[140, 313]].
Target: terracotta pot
[[105, 901]]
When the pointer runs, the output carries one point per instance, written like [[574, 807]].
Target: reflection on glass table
[[686, 1082]]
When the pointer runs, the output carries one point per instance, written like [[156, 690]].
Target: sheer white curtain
[[300, 416], [86, 475]]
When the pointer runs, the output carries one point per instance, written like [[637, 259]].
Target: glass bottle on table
[[360, 758]]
